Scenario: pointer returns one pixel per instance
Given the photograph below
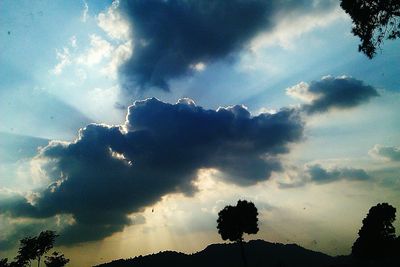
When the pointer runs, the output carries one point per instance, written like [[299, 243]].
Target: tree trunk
[[38, 262], [242, 252]]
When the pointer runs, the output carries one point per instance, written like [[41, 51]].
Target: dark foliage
[[26, 251], [377, 235], [233, 221], [56, 260], [373, 21], [32, 248], [3, 262], [45, 242]]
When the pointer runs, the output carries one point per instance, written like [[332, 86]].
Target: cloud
[[99, 49], [172, 36], [107, 51], [64, 59], [388, 176], [119, 55], [389, 153], [320, 175], [290, 28], [113, 23], [330, 92], [85, 11], [112, 171], [295, 176], [17, 233]]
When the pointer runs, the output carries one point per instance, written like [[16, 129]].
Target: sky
[[127, 125]]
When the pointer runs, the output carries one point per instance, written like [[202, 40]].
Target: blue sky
[[68, 64]]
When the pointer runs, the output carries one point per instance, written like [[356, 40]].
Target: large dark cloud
[[112, 171], [333, 92], [170, 36]]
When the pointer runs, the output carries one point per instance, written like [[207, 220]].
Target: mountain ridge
[[258, 253]]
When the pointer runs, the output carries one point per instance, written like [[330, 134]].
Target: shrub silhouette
[[234, 221], [377, 236], [373, 21]]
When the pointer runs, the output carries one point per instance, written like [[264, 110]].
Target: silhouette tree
[[45, 242], [233, 221], [56, 260], [377, 236], [32, 248], [373, 21], [27, 251]]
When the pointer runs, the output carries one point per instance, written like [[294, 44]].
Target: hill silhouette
[[259, 253]]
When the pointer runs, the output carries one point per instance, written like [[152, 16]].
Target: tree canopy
[[33, 248], [373, 22], [56, 260], [45, 242], [377, 236], [233, 221], [27, 250]]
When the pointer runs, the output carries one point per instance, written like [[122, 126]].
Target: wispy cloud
[[85, 11], [64, 59]]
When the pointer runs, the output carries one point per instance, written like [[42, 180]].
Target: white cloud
[[63, 61], [266, 110], [99, 50], [300, 91], [200, 66], [114, 24], [107, 54], [289, 27], [116, 27], [119, 55]]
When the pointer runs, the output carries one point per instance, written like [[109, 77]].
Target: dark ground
[[258, 253]]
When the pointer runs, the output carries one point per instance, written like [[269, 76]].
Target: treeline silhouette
[[376, 245], [33, 248]]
